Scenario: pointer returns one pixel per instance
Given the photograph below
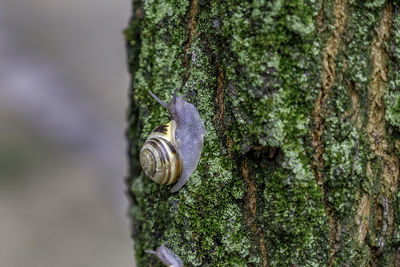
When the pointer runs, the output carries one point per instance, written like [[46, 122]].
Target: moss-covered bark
[[301, 102]]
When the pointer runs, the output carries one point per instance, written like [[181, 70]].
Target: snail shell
[[159, 155], [172, 152]]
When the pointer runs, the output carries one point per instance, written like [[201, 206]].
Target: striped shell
[[159, 156]]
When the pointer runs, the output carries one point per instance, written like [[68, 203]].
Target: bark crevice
[[319, 114], [251, 210], [192, 34], [220, 97], [379, 144]]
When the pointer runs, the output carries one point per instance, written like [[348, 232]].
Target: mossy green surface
[[392, 105], [392, 96], [264, 59], [345, 139], [271, 65]]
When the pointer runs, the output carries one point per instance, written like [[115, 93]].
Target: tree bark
[[301, 103]]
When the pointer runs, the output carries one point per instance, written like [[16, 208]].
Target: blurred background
[[63, 96]]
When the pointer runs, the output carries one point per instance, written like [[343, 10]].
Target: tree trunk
[[301, 103]]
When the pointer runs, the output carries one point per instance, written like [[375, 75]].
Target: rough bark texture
[[301, 102]]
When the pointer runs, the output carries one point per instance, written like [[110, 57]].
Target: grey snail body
[[172, 151], [166, 256]]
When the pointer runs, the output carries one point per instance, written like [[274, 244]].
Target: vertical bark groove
[[379, 144], [319, 113], [376, 126], [192, 25], [220, 97], [251, 213], [362, 218]]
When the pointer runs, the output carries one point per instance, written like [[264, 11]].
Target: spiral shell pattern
[[159, 156]]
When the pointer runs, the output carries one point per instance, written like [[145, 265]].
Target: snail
[[167, 256], [172, 151]]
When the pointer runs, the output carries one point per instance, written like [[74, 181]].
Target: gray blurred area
[[63, 96]]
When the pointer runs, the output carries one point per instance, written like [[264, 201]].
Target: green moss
[[295, 223], [268, 69], [392, 100], [346, 144], [269, 53], [392, 104], [255, 37], [279, 118], [392, 95], [343, 136]]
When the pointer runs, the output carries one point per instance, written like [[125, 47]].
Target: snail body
[[166, 256], [172, 151]]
